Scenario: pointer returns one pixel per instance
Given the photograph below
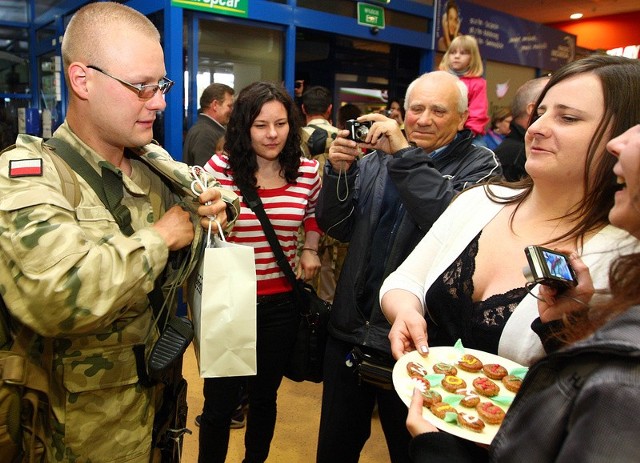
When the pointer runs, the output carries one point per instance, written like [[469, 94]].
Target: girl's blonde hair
[[466, 43]]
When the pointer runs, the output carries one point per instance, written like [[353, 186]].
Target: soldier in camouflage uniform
[[70, 274]]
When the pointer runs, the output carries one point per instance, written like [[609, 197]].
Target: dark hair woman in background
[[262, 151]]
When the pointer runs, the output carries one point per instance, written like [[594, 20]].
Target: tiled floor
[[296, 430]]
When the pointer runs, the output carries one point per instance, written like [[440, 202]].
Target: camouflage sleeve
[[180, 173], [66, 271]]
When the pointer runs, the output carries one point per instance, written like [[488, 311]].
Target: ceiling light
[[576, 16]]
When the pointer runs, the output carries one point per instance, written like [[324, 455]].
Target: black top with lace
[[452, 314]]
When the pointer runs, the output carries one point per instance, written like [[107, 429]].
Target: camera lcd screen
[[557, 265], [549, 268]]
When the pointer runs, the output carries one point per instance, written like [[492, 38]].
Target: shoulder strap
[[70, 185], [252, 200], [331, 135], [108, 187], [317, 141], [7, 327]]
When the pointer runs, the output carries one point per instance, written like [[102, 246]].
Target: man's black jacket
[[349, 209]]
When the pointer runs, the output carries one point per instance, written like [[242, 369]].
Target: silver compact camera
[[358, 130], [548, 267]]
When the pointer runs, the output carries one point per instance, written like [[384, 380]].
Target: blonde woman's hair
[[91, 27], [470, 44]]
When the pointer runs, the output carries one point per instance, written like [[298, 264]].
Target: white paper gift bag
[[222, 303]]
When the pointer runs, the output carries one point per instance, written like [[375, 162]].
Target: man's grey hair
[[463, 100]]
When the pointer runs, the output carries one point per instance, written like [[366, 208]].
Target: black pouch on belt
[[172, 343], [373, 367]]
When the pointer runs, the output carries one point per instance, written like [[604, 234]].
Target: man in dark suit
[[200, 143]]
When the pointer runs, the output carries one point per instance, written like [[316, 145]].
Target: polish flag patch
[[25, 168]]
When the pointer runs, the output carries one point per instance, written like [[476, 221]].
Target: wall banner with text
[[502, 37]]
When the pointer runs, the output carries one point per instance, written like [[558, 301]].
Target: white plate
[[404, 387]]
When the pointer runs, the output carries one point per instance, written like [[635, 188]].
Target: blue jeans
[[277, 325], [345, 423]]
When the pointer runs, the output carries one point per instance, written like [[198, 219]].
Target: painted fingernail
[[424, 349]]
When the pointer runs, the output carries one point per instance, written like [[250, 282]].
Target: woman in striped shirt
[[262, 150]]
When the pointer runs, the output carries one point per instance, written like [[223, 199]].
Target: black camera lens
[[361, 132], [358, 130]]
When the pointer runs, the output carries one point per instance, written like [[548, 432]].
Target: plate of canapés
[[466, 392]]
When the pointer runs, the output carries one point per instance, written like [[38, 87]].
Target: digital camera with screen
[[548, 267], [358, 130]]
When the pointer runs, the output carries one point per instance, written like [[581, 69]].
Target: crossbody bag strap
[[254, 202]]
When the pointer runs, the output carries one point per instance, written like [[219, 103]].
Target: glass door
[[232, 53]]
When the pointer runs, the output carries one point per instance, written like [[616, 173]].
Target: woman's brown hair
[[620, 79], [242, 158]]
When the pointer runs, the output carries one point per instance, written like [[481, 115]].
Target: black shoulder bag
[[307, 357]]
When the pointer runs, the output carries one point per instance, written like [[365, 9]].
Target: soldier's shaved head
[[88, 34]]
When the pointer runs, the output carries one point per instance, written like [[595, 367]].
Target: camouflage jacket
[[77, 281]]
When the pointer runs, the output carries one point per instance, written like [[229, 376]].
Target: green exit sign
[[370, 15]]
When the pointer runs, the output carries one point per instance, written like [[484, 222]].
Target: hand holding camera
[[373, 131], [358, 131], [550, 268], [343, 152], [565, 282], [377, 132]]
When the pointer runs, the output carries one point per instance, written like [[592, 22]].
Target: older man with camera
[[383, 205]]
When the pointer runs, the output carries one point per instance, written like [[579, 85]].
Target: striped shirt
[[287, 208]]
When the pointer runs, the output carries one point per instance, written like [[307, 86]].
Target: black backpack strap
[[317, 141], [7, 327], [333, 135]]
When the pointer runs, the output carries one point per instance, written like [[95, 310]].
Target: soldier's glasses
[[144, 92]]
